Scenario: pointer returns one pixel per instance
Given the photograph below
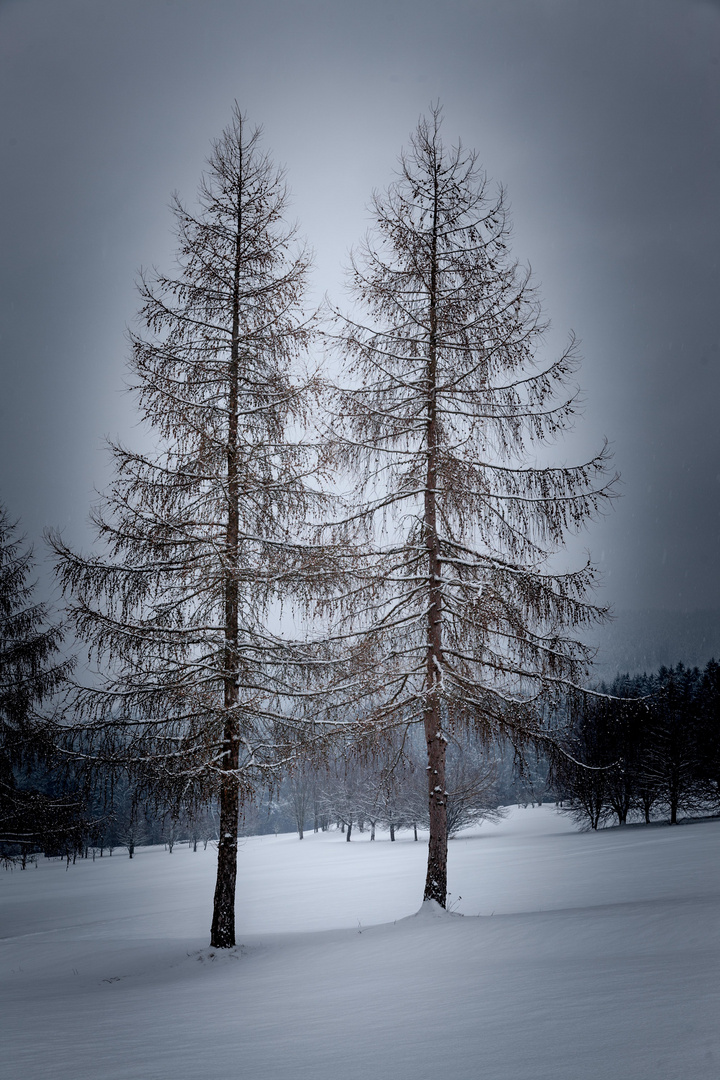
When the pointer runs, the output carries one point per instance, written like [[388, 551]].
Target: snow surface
[[581, 956]]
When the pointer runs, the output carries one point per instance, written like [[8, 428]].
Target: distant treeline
[[643, 748], [62, 814], [653, 746]]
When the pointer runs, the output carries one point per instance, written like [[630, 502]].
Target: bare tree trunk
[[222, 934], [436, 880]]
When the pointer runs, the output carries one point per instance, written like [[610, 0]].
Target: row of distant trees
[[648, 747], [644, 746], [390, 791], [45, 809], [49, 804]]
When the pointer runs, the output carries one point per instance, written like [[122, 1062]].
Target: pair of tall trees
[[446, 612]]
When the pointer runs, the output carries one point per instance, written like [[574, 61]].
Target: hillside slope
[[581, 955]]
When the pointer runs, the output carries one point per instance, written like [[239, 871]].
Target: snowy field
[[581, 956]]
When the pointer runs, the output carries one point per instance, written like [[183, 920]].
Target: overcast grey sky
[[601, 118]]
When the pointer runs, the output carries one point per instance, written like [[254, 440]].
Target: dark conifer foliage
[[708, 739], [31, 670], [200, 534], [671, 764], [457, 606], [651, 742]]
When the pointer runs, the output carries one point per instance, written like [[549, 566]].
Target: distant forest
[[645, 748]]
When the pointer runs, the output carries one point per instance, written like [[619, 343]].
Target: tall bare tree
[[200, 534], [460, 614]]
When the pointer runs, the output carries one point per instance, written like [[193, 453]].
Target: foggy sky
[[601, 119]]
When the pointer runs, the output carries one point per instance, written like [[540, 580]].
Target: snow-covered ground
[[581, 956]]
